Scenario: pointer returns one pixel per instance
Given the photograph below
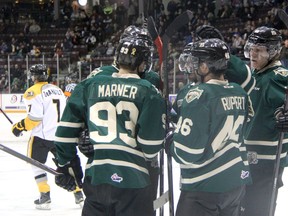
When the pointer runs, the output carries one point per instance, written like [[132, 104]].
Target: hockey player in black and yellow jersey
[[125, 116], [208, 140], [263, 48], [44, 106]]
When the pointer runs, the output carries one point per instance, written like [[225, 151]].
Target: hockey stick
[[158, 43], [6, 116], [179, 22], [283, 16], [155, 37], [277, 163], [29, 160]]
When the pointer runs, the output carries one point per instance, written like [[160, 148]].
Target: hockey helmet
[[72, 77], [131, 52], [264, 36], [39, 71], [207, 31], [213, 52]]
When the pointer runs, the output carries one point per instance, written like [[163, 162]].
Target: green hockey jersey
[[108, 70], [240, 73], [125, 116], [208, 139], [237, 72], [261, 136]]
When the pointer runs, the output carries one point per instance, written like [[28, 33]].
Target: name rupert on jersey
[[233, 102], [121, 90]]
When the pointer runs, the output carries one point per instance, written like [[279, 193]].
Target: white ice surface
[[18, 189]]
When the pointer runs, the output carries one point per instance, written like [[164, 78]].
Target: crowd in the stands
[[99, 28]]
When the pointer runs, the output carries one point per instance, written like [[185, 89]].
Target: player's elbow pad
[[30, 124]]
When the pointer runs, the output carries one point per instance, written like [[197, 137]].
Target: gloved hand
[[18, 127], [281, 117], [72, 175], [168, 141], [84, 144]]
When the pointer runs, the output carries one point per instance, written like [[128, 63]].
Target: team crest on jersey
[[193, 94], [94, 72], [30, 94], [281, 71], [116, 178]]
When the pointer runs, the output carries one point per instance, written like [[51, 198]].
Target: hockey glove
[[168, 141], [84, 144], [18, 128], [72, 175], [281, 119]]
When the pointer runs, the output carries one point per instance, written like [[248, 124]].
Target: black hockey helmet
[[264, 36], [214, 52], [207, 31], [134, 31], [72, 77], [39, 71], [131, 52]]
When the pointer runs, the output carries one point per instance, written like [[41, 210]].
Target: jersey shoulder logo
[[193, 94], [30, 94], [281, 71], [95, 72]]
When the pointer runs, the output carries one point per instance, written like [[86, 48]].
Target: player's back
[[125, 123], [45, 102]]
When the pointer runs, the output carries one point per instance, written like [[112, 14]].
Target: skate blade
[[44, 206]]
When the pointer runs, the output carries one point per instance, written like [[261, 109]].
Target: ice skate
[[43, 203], [79, 198]]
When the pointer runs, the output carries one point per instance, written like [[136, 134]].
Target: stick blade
[[283, 16]]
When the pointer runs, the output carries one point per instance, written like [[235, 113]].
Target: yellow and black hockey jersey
[[44, 105]]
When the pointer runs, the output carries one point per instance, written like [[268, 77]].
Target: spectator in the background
[[67, 45], [132, 11], [34, 28], [3, 84], [91, 41], [35, 51], [58, 52], [107, 9], [172, 9], [6, 14], [15, 73], [224, 11], [110, 49], [121, 11], [4, 47], [15, 86], [15, 13]]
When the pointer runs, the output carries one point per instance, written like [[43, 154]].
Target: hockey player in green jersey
[[125, 116], [84, 144], [207, 141], [261, 138], [237, 71]]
